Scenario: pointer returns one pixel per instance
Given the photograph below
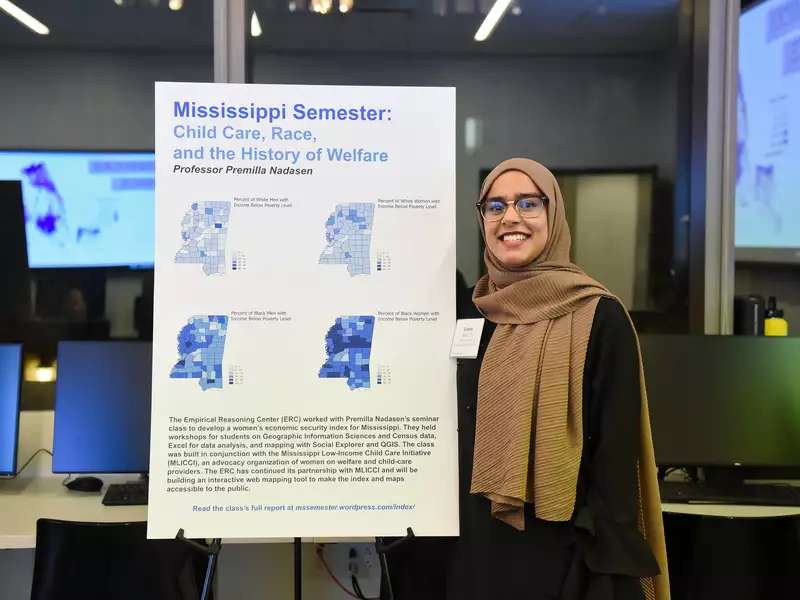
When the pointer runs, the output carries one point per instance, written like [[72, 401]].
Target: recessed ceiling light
[[322, 7], [345, 6], [45, 374], [20, 15], [255, 26], [492, 19], [175, 4]]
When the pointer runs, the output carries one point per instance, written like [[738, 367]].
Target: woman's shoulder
[[611, 322], [611, 309]]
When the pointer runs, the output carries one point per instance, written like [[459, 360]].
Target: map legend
[[384, 374], [235, 375], [239, 261], [383, 261]]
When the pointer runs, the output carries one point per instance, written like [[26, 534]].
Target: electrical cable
[[357, 587], [335, 579], [330, 573], [27, 462], [385, 576]]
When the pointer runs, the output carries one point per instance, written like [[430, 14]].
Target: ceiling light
[[34, 370], [345, 6], [175, 4], [24, 18], [473, 134], [45, 374], [255, 26], [516, 10], [292, 6], [492, 19], [322, 7]]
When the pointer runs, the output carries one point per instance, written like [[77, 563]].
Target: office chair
[[739, 558], [94, 561]]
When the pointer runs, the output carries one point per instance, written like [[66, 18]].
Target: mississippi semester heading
[[299, 112]]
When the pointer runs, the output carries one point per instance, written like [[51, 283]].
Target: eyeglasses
[[527, 207]]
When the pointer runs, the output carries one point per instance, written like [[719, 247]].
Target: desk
[[738, 511], [24, 500], [38, 493]]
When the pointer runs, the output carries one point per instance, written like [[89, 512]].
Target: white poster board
[[304, 309]]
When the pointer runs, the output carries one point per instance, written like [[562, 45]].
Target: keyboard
[[126, 494], [753, 494]]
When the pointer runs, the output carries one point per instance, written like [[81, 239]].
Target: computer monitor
[[10, 378], [724, 401], [102, 409], [85, 209], [767, 151]]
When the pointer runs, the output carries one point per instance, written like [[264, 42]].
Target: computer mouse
[[85, 484]]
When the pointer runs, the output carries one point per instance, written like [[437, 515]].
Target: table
[[37, 493], [24, 500], [739, 511]]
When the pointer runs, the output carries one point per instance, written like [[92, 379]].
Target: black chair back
[[94, 561]]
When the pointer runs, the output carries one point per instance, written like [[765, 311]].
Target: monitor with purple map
[[767, 149], [85, 209]]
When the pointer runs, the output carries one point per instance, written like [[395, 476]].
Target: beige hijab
[[529, 432]]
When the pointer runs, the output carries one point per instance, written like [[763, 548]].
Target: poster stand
[[298, 569], [212, 552], [387, 593]]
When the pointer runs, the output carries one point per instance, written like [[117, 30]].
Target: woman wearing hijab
[[558, 490]]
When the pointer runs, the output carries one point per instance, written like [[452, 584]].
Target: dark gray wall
[[614, 111], [564, 111], [86, 100]]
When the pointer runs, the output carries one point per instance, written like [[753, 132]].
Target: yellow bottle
[[774, 323]]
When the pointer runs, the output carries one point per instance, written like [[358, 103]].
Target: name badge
[[467, 338]]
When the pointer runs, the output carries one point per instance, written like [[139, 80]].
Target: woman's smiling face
[[515, 240]]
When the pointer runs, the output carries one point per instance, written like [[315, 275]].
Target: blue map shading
[[348, 232], [201, 344], [50, 217], [348, 345], [204, 230]]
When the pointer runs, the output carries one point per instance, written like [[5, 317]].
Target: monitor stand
[[724, 477], [734, 477], [728, 485], [132, 493]]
